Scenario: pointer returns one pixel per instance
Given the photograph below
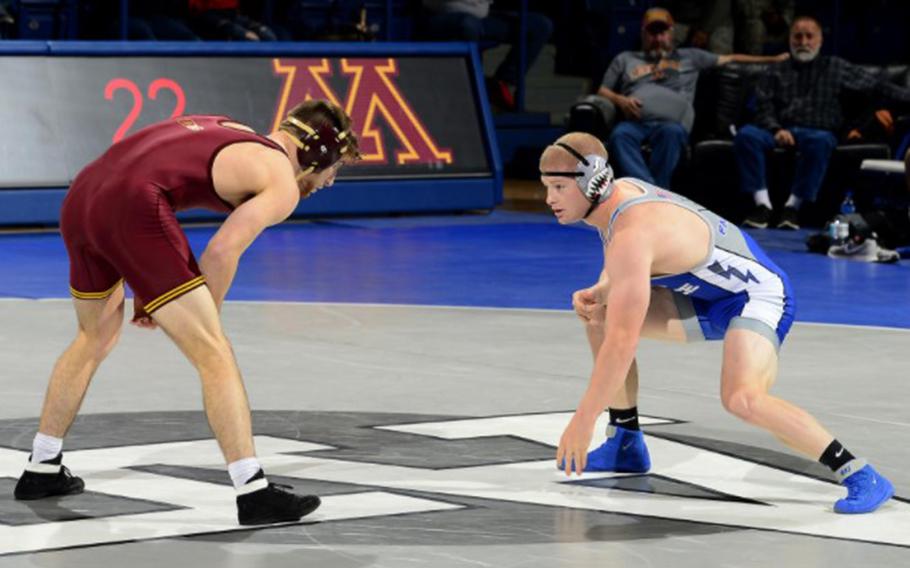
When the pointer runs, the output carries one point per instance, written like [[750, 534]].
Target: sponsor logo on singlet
[[190, 124]]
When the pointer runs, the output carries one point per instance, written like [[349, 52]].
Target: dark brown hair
[[317, 113]]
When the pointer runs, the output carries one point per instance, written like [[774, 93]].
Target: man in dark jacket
[[799, 108]]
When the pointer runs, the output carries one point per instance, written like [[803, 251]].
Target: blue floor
[[505, 259]]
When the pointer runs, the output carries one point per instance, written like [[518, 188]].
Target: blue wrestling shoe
[[623, 452], [867, 489]]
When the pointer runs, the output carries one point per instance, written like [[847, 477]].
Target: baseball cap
[[657, 20]]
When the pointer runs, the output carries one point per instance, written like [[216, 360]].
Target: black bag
[[891, 228]]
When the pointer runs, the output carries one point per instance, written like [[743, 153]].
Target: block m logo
[[372, 98]]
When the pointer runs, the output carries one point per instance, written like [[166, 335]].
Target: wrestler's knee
[[96, 343], [212, 353], [111, 330], [742, 402], [110, 341]]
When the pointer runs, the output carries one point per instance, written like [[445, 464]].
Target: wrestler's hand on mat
[[573, 446], [141, 318], [587, 305]]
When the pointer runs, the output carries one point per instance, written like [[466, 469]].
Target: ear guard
[[593, 175], [320, 147]]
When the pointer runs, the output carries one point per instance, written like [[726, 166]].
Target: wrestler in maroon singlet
[[119, 223], [118, 219]]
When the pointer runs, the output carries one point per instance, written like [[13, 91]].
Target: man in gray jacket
[[654, 89]]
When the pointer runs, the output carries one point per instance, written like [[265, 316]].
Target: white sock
[[794, 202], [45, 447], [242, 470], [762, 198]]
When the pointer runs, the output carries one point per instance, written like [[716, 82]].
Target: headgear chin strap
[[593, 175], [319, 147]]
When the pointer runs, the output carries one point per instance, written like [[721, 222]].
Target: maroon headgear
[[321, 145]]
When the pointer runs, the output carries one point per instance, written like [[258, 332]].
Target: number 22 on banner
[[155, 86]]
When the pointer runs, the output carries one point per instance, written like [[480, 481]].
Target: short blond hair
[[582, 142]]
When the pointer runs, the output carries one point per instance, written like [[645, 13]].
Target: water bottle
[[847, 207], [838, 232]]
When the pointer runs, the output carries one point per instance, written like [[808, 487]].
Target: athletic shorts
[[766, 314], [131, 234]]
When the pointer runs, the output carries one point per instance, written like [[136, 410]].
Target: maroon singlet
[[118, 219]]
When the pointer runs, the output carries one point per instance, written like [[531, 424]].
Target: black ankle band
[[625, 418], [835, 456]]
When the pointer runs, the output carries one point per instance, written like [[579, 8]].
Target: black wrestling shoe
[[789, 219], [758, 218], [47, 479], [263, 503]]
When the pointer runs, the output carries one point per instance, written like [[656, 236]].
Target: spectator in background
[[907, 173], [273, 13], [472, 20], [148, 20], [7, 22], [654, 89], [222, 20], [706, 24], [762, 25], [302, 20], [161, 20], [799, 108]]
